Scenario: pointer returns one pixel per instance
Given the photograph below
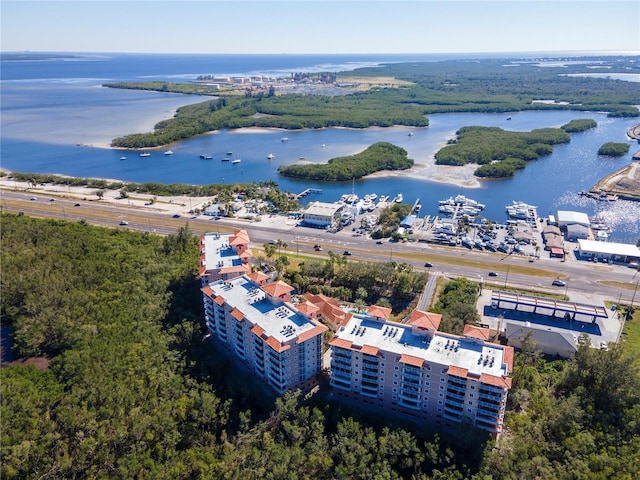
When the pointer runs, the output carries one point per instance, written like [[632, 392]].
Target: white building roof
[[443, 348], [323, 209], [280, 321], [609, 248], [217, 252], [566, 216]]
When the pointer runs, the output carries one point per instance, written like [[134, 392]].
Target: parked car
[[124, 222], [176, 215], [558, 283], [33, 199], [77, 205], [347, 252], [428, 264], [379, 242], [317, 248], [493, 274]]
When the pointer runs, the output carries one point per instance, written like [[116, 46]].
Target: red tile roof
[[457, 371], [339, 342], [232, 269], [276, 345], [207, 291], [307, 308], [411, 360], [425, 320], [258, 277], [508, 358], [257, 330], [476, 332], [369, 350], [502, 382], [237, 314], [379, 312], [277, 289], [219, 300], [317, 330]]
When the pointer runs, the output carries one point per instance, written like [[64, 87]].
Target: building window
[[469, 410], [441, 395], [471, 395], [395, 383], [395, 368], [441, 387], [395, 390], [470, 403]]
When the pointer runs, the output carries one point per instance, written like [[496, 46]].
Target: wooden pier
[[306, 192]]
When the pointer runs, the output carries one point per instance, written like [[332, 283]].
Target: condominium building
[[416, 371], [223, 257], [279, 340]]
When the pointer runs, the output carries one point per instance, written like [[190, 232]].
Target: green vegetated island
[[500, 153], [481, 86], [379, 156]]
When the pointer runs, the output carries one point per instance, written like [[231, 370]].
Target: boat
[[205, 156], [236, 160], [284, 139], [145, 154], [509, 117], [410, 134], [399, 198], [229, 152], [168, 152], [226, 159], [123, 157], [270, 156]]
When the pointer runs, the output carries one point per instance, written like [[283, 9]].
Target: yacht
[[399, 198], [145, 154], [168, 152], [236, 160], [226, 159], [270, 156], [206, 157], [123, 157], [285, 139]]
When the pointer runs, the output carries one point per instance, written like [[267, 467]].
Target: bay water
[[56, 114]]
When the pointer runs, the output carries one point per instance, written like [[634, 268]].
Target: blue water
[[50, 109]]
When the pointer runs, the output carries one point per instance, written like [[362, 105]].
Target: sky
[[320, 26]]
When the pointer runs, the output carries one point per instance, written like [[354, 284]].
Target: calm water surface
[[50, 108]]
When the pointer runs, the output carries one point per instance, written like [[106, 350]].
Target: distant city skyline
[[320, 26]]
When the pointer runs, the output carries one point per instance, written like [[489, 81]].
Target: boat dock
[[306, 192]]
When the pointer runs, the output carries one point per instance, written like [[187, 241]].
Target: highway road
[[583, 279]]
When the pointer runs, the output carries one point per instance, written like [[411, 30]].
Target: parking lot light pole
[[506, 278]]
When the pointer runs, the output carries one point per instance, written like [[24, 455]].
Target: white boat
[[270, 156], [399, 198], [602, 236], [410, 134], [168, 152], [206, 157], [284, 139], [145, 154], [123, 157], [236, 160]]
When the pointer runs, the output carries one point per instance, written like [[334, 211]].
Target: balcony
[[409, 403], [340, 383]]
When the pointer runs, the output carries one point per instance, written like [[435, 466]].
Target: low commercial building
[[321, 215], [417, 372], [567, 217], [609, 251]]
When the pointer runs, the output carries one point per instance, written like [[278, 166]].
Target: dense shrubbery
[[377, 157], [575, 126], [612, 149], [488, 145]]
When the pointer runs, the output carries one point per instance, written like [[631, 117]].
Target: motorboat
[[145, 154], [399, 198], [236, 160], [284, 139], [270, 156], [168, 152], [226, 159], [206, 157], [123, 157]]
